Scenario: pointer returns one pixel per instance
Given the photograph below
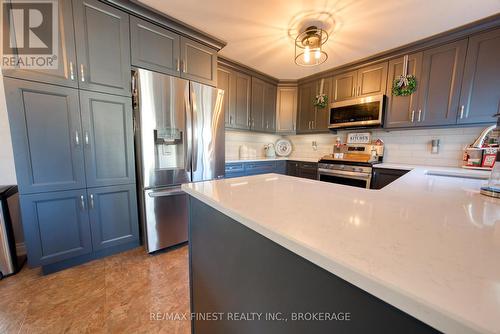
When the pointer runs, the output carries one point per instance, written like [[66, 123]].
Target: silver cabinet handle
[[184, 66], [86, 138], [359, 90], [77, 138], [419, 114], [313, 124], [230, 119], [178, 66], [353, 91], [71, 71], [412, 115], [82, 202], [462, 111], [82, 72], [91, 201]]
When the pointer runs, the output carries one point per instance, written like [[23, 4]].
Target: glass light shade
[[308, 47]]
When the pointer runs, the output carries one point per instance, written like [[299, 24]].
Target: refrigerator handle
[[195, 130], [189, 134]]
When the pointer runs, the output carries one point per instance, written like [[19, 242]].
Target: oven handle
[[342, 173]]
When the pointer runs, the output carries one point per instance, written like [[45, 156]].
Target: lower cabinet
[[306, 170], [237, 169], [66, 224], [381, 177], [113, 215]]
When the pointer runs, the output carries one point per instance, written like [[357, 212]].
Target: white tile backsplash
[[402, 146]]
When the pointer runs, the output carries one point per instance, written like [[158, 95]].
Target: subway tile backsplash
[[403, 146]]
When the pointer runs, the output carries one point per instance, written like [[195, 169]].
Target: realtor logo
[[30, 34]]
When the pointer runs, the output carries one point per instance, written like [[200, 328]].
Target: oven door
[[359, 112], [360, 180]]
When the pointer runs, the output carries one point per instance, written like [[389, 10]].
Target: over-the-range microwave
[[360, 112]]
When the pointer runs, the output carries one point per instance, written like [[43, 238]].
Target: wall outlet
[[314, 145]]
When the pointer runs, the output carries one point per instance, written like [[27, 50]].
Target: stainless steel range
[[350, 164]]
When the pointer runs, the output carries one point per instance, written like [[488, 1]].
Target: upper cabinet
[[366, 81], [480, 96], [257, 117], [66, 72], [439, 91], [237, 93], [198, 62], [269, 107], [311, 119], [286, 109], [102, 47], [154, 48], [400, 110]]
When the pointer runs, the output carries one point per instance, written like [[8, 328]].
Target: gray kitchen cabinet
[[66, 72], [323, 114], [225, 80], [108, 139], [439, 90], [56, 226], [366, 81], [154, 48], [198, 62], [46, 136], [372, 80], [269, 107], [113, 215], [400, 109], [286, 109], [237, 92], [344, 86], [102, 47], [242, 95], [480, 94], [257, 122], [306, 114]]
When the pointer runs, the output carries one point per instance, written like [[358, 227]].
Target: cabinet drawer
[[230, 175], [235, 167], [253, 168]]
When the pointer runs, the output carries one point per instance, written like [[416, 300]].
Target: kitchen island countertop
[[427, 244]]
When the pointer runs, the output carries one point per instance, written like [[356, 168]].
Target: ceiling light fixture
[[310, 41]]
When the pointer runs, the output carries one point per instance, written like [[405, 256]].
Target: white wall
[[7, 171], [404, 146]]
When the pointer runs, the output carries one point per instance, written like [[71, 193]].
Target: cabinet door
[[198, 62], [56, 226], [225, 81], [154, 48], [286, 109], [372, 80], [46, 136], [292, 168], [306, 113], [66, 72], [400, 110], [480, 96], [308, 170], [270, 107], [242, 96], [102, 47], [257, 105], [108, 139], [323, 114], [382, 177], [113, 216], [439, 91], [344, 86]]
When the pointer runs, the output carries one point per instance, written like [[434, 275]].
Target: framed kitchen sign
[[359, 138]]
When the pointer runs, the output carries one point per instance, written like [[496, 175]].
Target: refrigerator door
[[166, 217], [163, 119], [208, 132]]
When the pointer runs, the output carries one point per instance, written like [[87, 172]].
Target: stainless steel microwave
[[360, 112]]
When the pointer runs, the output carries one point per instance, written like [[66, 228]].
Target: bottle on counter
[[493, 187]]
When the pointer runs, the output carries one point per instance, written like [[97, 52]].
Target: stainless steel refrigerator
[[179, 136]]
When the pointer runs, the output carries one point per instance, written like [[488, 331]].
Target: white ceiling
[[256, 31]]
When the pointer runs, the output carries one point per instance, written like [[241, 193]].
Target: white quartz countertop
[[230, 160], [427, 244]]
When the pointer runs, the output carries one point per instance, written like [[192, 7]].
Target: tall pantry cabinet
[[72, 134]]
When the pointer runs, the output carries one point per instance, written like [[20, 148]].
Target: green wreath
[[404, 85], [320, 101]]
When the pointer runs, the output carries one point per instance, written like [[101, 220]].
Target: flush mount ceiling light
[[308, 47]]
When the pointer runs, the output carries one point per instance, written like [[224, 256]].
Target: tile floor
[[112, 295]]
